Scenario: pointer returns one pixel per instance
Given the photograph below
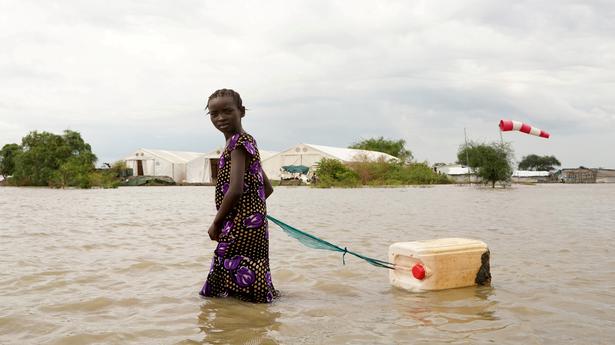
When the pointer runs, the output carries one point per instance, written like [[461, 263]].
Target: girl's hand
[[214, 232]]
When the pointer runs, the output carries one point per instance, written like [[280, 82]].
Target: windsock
[[510, 125]]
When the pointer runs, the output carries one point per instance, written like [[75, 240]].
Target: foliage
[[118, 166], [539, 163], [393, 173], [8, 154], [48, 159], [333, 173], [396, 148], [492, 163], [103, 178], [109, 178], [71, 173]]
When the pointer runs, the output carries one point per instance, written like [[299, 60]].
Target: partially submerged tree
[[539, 163], [396, 148], [492, 163]]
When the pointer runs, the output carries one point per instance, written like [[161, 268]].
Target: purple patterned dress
[[240, 266]]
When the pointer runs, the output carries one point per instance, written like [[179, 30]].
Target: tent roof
[[528, 173], [215, 154], [350, 155], [171, 156], [266, 154], [458, 171]]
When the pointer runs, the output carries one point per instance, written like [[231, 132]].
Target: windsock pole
[[465, 135]]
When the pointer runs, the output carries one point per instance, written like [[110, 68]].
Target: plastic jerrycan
[[439, 264]]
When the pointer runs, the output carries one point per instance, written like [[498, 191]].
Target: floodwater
[[124, 267]]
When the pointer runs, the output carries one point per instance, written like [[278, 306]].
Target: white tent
[[204, 168], [530, 173], [453, 169], [199, 170], [160, 163], [309, 155]]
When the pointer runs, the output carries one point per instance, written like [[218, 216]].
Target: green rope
[[317, 243]]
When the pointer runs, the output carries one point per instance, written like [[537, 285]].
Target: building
[[577, 175], [148, 162], [605, 175], [308, 155], [529, 176], [457, 172], [204, 169]]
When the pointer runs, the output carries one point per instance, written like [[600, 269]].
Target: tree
[[396, 148], [493, 163], [7, 159], [48, 158], [539, 163]]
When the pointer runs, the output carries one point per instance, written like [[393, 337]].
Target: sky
[[137, 74]]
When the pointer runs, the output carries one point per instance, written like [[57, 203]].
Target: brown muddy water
[[124, 267]]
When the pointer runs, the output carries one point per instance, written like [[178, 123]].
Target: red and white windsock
[[510, 125]]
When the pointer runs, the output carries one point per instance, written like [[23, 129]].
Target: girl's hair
[[227, 92]]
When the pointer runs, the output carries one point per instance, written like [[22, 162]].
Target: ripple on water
[[124, 266]]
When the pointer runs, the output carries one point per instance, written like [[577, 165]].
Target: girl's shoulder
[[247, 136], [243, 139]]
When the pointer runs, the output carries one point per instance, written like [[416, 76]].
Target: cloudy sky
[[131, 74]]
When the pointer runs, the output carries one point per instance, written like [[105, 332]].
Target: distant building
[[578, 175], [457, 172], [148, 162], [204, 169], [605, 175], [529, 176], [308, 155], [181, 166]]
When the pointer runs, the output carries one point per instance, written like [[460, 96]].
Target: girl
[[240, 266]]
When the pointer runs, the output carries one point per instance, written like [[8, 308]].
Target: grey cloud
[[312, 71]]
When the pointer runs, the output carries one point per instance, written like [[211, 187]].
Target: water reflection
[[228, 321], [460, 306]]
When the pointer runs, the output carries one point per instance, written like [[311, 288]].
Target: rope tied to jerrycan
[[312, 241]]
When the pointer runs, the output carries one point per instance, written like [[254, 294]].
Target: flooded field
[[124, 267]]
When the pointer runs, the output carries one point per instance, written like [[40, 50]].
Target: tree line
[[48, 159], [493, 163]]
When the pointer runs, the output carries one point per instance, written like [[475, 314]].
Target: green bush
[[333, 173], [421, 173], [396, 173], [103, 179]]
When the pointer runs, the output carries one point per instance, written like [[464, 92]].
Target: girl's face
[[225, 115]]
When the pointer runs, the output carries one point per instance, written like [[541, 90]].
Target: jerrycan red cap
[[418, 271]]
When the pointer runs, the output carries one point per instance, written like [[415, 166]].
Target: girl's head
[[226, 110]]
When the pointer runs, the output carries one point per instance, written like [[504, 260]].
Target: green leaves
[[492, 163], [539, 163], [333, 173], [396, 148], [8, 155], [47, 159]]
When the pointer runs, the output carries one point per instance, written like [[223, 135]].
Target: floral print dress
[[240, 266]]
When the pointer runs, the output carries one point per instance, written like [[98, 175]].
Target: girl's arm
[[235, 190], [268, 187]]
